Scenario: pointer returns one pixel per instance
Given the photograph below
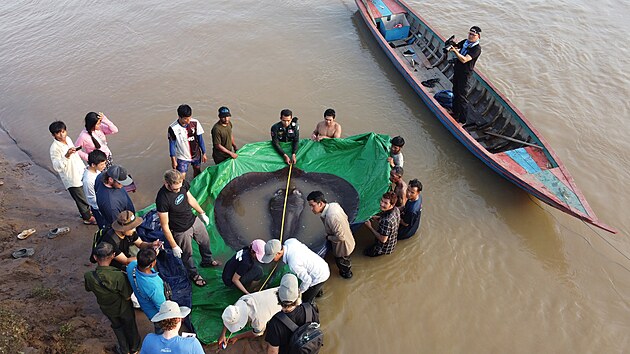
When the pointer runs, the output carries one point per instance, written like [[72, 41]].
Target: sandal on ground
[[58, 231], [91, 221], [23, 252], [212, 263], [26, 233], [199, 281]]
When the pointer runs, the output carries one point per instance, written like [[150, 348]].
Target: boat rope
[[583, 236], [284, 211]]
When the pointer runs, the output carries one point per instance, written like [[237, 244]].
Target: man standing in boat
[[467, 52], [287, 129]]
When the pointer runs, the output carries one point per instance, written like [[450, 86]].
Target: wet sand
[[53, 313]]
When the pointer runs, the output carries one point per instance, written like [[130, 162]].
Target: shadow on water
[[513, 206]]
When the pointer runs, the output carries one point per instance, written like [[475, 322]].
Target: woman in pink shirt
[[93, 137]]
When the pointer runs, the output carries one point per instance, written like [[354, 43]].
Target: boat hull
[[562, 194]]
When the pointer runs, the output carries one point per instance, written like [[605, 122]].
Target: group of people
[[100, 193]]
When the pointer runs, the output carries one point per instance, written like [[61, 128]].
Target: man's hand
[[177, 252], [233, 340], [287, 160], [293, 159], [233, 155], [222, 342], [204, 218], [174, 163], [204, 158], [71, 151]]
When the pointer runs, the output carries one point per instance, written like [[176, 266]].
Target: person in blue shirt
[[146, 283], [169, 318], [410, 215], [111, 196]]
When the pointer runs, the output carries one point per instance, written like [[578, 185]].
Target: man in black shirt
[[287, 129], [181, 226], [467, 53], [243, 269], [277, 333], [122, 235]]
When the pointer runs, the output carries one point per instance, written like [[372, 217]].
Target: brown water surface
[[492, 271]]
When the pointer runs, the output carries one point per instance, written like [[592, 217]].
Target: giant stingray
[[250, 207]]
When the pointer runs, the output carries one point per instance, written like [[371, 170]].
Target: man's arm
[[272, 350], [275, 142], [337, 133], [236, 279], [166, 230], [193, 203], [172, 147], [381, 238], [202, 146], [296, 140]]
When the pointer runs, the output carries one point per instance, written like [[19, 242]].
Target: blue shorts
[[182, 165]]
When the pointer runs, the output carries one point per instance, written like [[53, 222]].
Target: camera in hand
[[450, 42]]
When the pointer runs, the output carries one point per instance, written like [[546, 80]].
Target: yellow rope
[[284, 210]]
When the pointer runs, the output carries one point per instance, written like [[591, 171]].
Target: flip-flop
[[26, 233], [92, 221], [58, 231], [213, 263], [199, 281], [23, 252]]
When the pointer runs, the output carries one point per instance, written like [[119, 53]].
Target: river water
[[492, 270]]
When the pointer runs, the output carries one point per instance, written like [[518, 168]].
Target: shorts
[[182, 165]]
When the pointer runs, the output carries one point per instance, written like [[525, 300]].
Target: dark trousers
[[100, 220], [460, 90], [344, 264], [310, 294], [126, 331], [82, 204], [255, 273], [373, 251]]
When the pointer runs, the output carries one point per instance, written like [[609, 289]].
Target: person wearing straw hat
[[122, 235], [312, 269], [113, 294], [169, 318], [255, 308], [242, 270], [278, 334]]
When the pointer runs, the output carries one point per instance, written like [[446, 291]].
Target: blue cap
[[224, 112]]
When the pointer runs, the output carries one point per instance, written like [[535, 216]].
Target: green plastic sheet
[[361, 160]]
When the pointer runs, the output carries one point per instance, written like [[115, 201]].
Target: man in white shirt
[[256, 308], [310, 268], [70, 168]]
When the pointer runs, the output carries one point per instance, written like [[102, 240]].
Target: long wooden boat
[[496, 131]]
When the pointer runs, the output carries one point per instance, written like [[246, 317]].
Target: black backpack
[[307, 338], [98, 237]]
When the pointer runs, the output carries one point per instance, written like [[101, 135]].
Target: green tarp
[[361, 160]]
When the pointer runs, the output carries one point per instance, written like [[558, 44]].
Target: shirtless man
[[328, 128]]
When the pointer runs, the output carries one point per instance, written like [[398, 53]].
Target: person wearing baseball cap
[[278, 334], [243, 268], [111, 197], [169, 318], [122, 235], [312, 269], [256, 309], [223, 146], [467, 52]]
